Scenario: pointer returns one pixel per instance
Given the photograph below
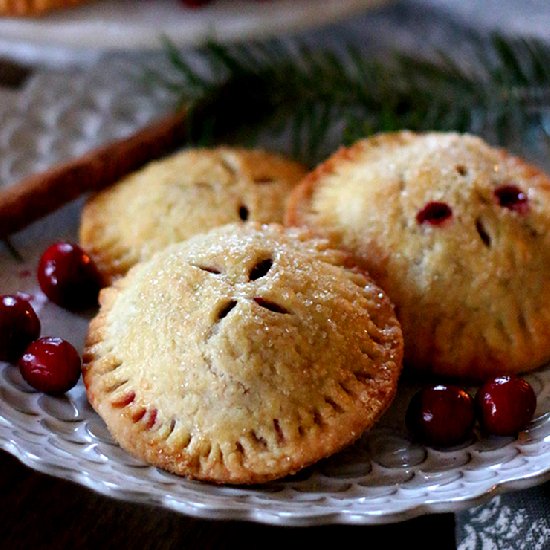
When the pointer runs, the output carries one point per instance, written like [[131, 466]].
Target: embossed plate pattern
[[383, 478]]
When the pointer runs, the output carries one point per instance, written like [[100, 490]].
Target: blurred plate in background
[[80, 34]]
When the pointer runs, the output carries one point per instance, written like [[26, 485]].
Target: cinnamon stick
[[40, 194]]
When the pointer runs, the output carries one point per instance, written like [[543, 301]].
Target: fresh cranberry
[[195, 3], [68, 276], [50, 365], [434, 213], [19, 325], [441, 415], [512, 197], [505, 405]]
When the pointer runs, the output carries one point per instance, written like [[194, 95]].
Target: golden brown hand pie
[[242, 355], [174, 198], [456, 232], [19, 8]]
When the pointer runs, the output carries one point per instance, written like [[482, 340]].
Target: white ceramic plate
[[383, 478], [108, 25]]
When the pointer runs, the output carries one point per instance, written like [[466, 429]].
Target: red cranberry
[[434, 213], [195, 3], [512, 197], [441, 415], [505, 405], [68, 276], [19, 325], [50, 365]]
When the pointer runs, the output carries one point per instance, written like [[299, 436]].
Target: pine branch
[[320, 98]]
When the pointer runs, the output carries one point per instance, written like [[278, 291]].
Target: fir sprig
[[318, 98]]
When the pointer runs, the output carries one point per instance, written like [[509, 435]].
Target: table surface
[[40, 511]]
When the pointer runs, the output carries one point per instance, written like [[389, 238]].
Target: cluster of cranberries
[[445, 415], [69, 278]]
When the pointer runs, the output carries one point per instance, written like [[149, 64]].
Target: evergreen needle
[[322, 98]]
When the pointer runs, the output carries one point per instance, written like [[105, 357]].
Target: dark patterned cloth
[[517, 520]]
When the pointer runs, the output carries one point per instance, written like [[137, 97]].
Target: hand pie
[[31, 8], [174, 198], [242, 355], [456, 232]]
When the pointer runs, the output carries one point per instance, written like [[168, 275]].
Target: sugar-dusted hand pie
[[174, 198], [242, 354], [17, 8], [456, 232]]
